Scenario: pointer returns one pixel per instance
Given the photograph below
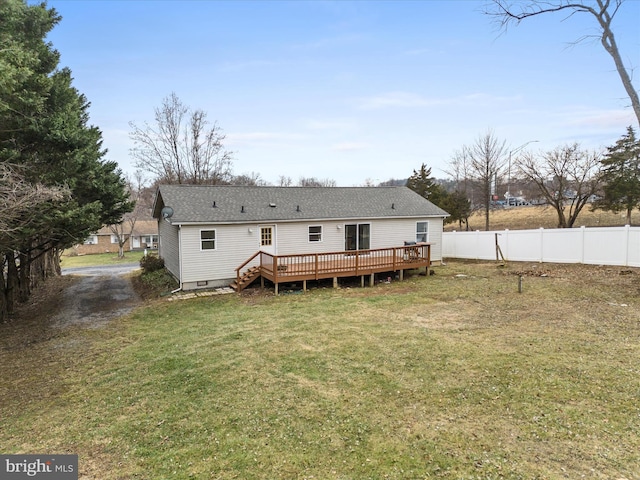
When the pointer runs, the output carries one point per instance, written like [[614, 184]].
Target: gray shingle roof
[[195, 203]]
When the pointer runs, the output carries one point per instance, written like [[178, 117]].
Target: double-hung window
[[207, 239], [315, 233], [422, 231]]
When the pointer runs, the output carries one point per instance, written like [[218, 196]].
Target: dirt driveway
[[95, 298]]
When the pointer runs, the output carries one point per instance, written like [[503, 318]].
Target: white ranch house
[[212, 236]]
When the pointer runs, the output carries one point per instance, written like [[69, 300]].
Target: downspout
[[179, 259]]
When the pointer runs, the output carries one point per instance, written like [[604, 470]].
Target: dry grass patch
[[541, 216], [451, 376]]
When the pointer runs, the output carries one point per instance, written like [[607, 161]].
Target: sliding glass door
[[357, 236]]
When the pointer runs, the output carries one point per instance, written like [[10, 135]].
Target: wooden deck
[[357, 263]]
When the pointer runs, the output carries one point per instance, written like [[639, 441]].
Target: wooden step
[[246, 278]]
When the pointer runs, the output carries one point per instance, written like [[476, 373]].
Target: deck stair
[[246, 279]]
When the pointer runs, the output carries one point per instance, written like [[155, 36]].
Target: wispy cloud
[[397, 99], [262, 138], [330, 124], [418, 52], [331, 42], [246, 65], [350, 146], [414, 100], [600, 118]]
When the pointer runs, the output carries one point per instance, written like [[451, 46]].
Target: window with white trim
[[422, 231], [357, 236], [315, 233], [91, 240], [207, 239], [114, 238]]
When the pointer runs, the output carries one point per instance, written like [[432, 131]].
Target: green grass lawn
[[451, 376], [71, 261]]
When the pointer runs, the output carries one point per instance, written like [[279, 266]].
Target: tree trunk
[[562, 220], [24, 278], [609, 44], [4, 314], [13, 282], [53, 263]]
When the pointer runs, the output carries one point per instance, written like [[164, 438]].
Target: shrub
[[151, 263], [158, 282]]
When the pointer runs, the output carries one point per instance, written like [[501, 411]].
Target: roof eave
[[298, 220]]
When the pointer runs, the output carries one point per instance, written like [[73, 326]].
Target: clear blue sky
[[348, 91]]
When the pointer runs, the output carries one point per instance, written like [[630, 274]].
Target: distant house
[[210, 236], [144, 236]]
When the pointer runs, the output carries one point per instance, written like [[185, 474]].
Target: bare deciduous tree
[[21, 204], [253, 179], [460, 171], [603, 11], [284, 181], [124, 230], [486, 160], [182, 146], [566, 177], [315, 182]]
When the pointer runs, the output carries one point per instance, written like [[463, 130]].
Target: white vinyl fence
[[597, 245]]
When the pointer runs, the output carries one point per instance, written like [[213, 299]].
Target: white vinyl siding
[[168, 247], [294, 238], [237, 243], [234, 245]]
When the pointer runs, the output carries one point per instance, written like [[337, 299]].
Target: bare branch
[[183, 147], [506, 13], [566, 177]]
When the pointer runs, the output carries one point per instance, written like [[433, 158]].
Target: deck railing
[[316, 266]]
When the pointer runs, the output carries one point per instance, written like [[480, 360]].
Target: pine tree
[[621, 176], [422, 183]]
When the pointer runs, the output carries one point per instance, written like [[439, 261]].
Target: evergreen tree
[[425, 185], [458, 206], [421, 181], [45, 136], [621, 176]]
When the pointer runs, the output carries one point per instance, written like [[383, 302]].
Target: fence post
[[541, 245], [583, 230], [627, 229]]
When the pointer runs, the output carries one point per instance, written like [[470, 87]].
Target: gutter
[[179, 257]]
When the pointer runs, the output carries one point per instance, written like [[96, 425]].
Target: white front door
[[268, 239]]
